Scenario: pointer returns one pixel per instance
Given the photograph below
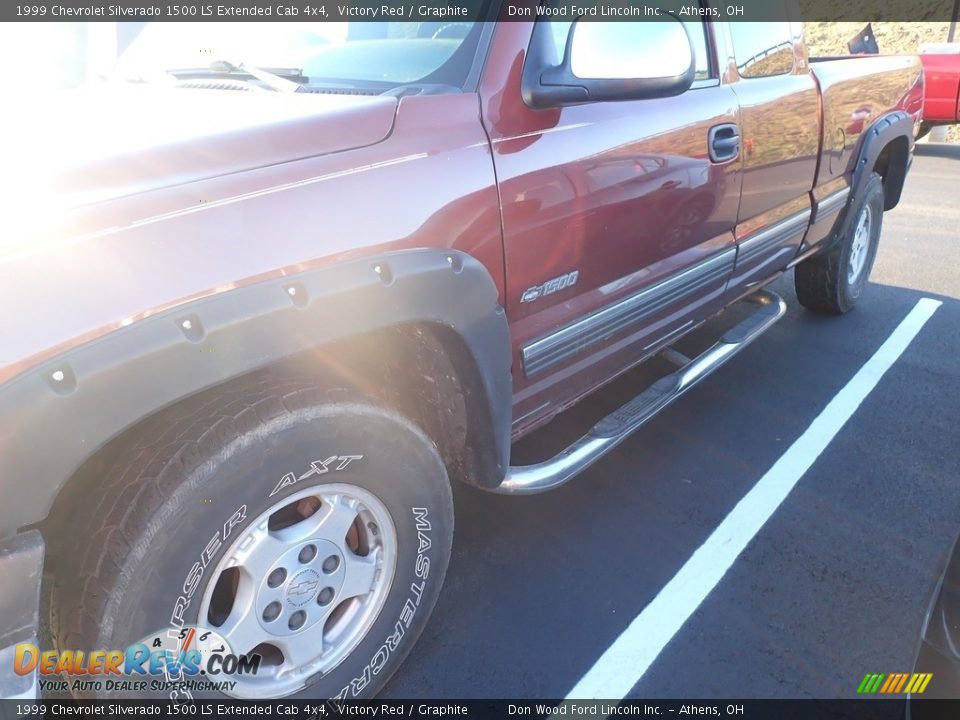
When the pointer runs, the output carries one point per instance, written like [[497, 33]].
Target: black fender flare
[[881, 133], [56, 415], [884, 131]]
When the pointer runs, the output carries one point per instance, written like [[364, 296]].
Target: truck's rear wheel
[[833, 281], [314, 533]]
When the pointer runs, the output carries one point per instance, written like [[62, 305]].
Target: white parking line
[[626, 661]]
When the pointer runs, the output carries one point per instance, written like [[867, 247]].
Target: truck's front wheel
[[832, 282], [315, 534]]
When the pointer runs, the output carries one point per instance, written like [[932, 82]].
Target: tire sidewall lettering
[[194, 578], [215, 506], [374, 666]]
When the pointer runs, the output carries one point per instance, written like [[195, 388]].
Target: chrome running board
[[623, 422]]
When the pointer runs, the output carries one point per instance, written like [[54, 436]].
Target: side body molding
[[54, 417]]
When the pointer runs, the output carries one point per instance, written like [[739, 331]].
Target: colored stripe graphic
[[892, 680], [918, 683], [894, 683], [900, 684]]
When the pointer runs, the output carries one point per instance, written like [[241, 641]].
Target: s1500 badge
[[550, 287]]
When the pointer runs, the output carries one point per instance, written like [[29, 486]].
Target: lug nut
[[272, 611], [307, 554], [297, 620], [276, 578], [331, 564], [325, 596]]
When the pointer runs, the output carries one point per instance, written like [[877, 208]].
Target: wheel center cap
[[303, 587]]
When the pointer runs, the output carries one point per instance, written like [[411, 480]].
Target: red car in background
[[941, 67]]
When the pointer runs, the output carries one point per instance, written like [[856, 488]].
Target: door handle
[[724, 142]]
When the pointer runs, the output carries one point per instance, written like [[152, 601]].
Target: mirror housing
[[606, 61]]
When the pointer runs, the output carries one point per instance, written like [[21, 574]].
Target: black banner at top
[[474, 10]]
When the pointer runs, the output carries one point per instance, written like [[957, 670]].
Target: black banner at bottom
[[860, 709]]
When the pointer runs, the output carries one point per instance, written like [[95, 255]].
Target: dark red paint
[[150, 198]]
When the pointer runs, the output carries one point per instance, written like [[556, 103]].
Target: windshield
[[353, 54]]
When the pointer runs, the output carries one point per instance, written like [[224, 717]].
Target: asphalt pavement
[[835, 584]]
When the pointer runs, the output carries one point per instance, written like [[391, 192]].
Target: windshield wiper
[[220, 68]]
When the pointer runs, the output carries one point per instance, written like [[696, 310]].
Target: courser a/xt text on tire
[[312, 531]]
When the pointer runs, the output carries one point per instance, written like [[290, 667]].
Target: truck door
[[617, 224], [780, 125]]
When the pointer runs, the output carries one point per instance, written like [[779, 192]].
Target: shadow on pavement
[[539, 587], [944, 150]]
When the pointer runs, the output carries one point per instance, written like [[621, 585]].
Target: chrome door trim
[[572, 339], [831, 204], [769, 238]]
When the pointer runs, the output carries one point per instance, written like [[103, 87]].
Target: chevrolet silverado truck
[[270, 290]]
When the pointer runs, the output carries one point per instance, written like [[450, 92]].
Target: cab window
[[762, 49], [697, 30]]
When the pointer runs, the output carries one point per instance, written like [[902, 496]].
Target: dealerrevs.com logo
[[185, 659]]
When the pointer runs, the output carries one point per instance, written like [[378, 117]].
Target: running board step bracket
[[627, 419]]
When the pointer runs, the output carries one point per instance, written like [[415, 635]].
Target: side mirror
[[608, 61]]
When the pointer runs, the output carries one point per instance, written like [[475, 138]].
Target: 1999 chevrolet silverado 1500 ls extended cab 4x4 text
[[257, 319]]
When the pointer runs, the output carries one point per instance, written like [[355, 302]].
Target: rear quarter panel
[[855, 92]]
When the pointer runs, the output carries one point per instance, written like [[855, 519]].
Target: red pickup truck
[[271, 290], [941, 70]]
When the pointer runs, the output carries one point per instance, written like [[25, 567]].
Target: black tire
[[823, 282], [154, 512]]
